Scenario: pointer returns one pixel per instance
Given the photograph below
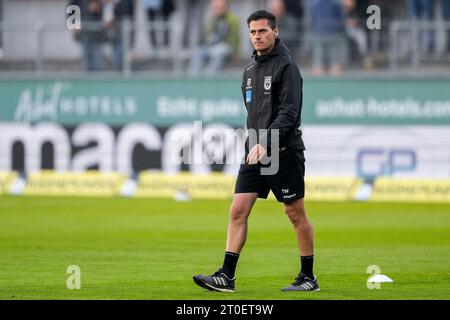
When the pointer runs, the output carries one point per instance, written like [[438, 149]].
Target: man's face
[[277, 8], [262, 36], [94, 6], [219, 7]]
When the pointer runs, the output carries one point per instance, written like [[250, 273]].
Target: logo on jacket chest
[[267, 82]]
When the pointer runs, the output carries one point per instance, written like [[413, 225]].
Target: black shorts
[[288, 184]]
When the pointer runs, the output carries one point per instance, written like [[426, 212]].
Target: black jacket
[[272, 91]]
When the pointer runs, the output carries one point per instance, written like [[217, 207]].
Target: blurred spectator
[[295, 9], [286, 24], [423, 10], [1, 33], [220, 40], [445, 7], [124, 10], [355, 27], [159, 11], [114, 13], [379, 39], [193, 13], [329, 36], [91, 35]]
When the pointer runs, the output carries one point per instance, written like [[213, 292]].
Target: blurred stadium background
[[104, 111]]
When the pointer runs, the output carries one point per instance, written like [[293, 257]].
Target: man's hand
[[256, 154]]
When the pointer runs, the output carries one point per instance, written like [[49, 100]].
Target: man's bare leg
[[223, 279], [237, 227], [303, 229], [306, 281]]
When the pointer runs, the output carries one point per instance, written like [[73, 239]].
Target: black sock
[[229, 263], [307, 266]]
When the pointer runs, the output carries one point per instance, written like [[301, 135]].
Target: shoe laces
[[218, 273], [300, 279]]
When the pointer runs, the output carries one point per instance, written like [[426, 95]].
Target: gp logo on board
[[373, 162], [267, 82]]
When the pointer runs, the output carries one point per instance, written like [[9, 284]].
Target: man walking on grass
[[272, 91]]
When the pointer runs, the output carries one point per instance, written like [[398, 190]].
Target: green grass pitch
[[150, 249]]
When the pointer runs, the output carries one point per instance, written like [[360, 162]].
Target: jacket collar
[[278, 49]]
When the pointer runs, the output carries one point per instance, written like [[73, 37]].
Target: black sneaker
[[303, 283], [215, 282]]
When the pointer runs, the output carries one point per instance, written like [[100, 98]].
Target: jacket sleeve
[[290, 95]]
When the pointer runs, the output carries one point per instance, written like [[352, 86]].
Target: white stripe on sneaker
[[218, 289], [304, 286]]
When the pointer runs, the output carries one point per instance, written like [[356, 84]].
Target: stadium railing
[[414, 32], [48, 47]]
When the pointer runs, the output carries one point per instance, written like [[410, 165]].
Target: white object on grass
[[379, 278], [182, 195]]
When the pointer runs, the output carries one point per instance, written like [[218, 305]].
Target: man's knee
[[242, 205], [239, 212], [293, 215], [295, 211]]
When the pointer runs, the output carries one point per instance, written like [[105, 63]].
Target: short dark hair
[[263, 14]]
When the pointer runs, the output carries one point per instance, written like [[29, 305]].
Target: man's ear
[[276, 31]]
